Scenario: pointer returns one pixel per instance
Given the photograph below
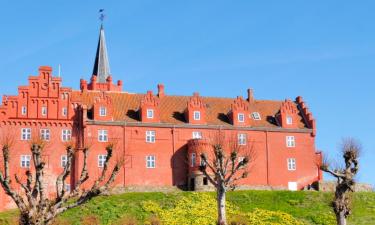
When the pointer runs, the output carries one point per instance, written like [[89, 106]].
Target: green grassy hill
[[142, 208]]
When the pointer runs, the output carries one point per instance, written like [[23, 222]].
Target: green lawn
[[307, 207]]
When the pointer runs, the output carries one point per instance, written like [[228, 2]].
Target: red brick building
[[159, 135]]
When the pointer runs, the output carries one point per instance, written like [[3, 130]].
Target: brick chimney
[[250, 95], [161, 90]]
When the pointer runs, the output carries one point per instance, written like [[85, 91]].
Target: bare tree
[[34, 205], [345, 178], [224, 166]]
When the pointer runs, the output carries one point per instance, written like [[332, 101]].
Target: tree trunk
[[340, 218], [222, 219], [36, 218], [26, 219]]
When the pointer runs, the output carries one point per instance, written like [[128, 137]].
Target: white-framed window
[[242, 138], [25, 161], [64, 111], [102, 135], [292, 164], [44, 110], [64, 161], [150, 113], [150, 136], [290, 141], [67, 188], [150, 161], [102, 111], [289, 120], [66, 135], [45, 134], [101, 160], [193, 159], [256, 116], [197, 115], [25, 133], [197, 135], [241, 117], [23, 110]]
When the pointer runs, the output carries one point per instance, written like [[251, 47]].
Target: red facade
[[154, 132]]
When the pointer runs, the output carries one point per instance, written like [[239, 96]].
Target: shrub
[[197, 208], [266, 217], [201, 208]]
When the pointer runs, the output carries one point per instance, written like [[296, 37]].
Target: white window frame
[[193, 159], [64, 111], [24, 110], [290, 141], [66, 135], [292, 164], [150, 136], [63, 160], [102, 135], [197, 115], [150, 161], [25, 161], [101, 160], [45, 134], [197, 135], [150, 113], [25, 134], [289, 120], [241, 117], [44, 110], [102, 111], [242, 139], [256, 116]]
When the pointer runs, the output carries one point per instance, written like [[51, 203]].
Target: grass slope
[[307, 207]]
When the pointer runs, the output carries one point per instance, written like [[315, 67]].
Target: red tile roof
[[172, 108]]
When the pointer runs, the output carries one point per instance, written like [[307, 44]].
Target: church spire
[[101, 65]]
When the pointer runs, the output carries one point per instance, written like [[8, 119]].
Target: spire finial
[[102, 15]]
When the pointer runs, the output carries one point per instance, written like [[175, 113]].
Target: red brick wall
[[269, 167]]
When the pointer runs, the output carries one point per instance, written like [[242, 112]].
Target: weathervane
[[102, 16]]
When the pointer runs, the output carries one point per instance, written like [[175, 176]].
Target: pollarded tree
[[226, 164], [34, 205], [345, 178]]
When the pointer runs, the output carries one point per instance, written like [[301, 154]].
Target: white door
[[292, 186]]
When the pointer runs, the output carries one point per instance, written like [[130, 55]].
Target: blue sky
[[321, 50]]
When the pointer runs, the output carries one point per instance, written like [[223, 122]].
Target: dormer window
[[197, 115], [289, 120], [24, 110], [150, 113], [256, 116], [44, 110], [102, 111], [241, 117]]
